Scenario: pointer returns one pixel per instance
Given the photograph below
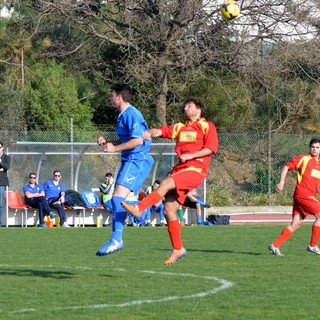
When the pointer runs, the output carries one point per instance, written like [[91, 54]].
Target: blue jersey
[[131, 124], [51, 190], [36, 189]]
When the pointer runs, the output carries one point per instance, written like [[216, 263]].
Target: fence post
[[269, 161], [71, 156]]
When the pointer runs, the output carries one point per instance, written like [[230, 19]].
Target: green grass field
[[228, 273]]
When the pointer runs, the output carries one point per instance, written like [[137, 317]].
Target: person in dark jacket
[[4, 181]]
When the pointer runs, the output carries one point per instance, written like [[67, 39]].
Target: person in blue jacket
[[55, 194]]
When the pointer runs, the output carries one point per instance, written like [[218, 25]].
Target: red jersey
[[308, 179], [191, 137]]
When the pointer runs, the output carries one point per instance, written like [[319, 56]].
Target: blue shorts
[[133, 173]]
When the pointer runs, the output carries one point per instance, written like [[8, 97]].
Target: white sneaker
[[315, 249], [274, 250], [65, 225]]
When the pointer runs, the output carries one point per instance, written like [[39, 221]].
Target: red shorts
[[306, 206], [185, 180]]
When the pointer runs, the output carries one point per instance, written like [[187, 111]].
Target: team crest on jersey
[[134, 127], [188, 136], [315, 173], [129, 179]]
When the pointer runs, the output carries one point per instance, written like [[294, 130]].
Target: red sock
[[152, 198], [284, 236], [175, 234], [315, 236]]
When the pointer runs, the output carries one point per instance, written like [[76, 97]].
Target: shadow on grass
[[37, 273], [220, 251]]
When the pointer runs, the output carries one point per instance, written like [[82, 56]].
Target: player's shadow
[[37, 273], [221, 251]]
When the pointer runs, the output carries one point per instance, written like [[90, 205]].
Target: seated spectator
[[194, 203], [181, 218], [135, 221], [35, 198], [158, 207], [106, 190], [55, 194]]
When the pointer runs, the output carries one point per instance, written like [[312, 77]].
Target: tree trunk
[[22, 67], [161, 98]]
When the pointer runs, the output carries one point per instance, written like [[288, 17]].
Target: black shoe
[[207, 205]]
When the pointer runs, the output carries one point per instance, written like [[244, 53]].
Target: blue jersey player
[[136, 163]]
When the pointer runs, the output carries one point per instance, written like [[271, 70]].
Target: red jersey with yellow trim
[[308, 179], [191, 137]]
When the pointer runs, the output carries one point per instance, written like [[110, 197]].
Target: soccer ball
[[230, 9]]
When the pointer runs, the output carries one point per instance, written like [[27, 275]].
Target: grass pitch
[[228, 273]]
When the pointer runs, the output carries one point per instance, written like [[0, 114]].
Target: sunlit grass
[[54, 274]]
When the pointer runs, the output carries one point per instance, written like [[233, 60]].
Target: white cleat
[[275, 251], [315, 249]]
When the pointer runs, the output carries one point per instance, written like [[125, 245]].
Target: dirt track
[[264, 219]]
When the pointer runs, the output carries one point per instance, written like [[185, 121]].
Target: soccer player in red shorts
[[304, 198], [196, 141]]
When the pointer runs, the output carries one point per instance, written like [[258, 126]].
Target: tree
[[157, 39], [163, 47], [52, 98], [287, 95], [15, 45], [227, 99], [283, 71], [12, 113]]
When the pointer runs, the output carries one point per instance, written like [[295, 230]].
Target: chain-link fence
[[244, 172], [83, 165], [248, 166]]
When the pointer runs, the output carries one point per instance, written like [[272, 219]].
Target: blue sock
[[120, 216], [141, 221], [147, 215], [161, 212], [198, 218], [131, 217], [199, 201], [113, 220], [144, 214]]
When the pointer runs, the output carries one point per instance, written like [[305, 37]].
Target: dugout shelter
[[83, 166]]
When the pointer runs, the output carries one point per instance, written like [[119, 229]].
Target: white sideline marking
[[224, 284]]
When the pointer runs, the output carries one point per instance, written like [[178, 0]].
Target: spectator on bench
[[34, 197], [194, 203], [157, 207], [55, 194], [106, 190], [135, 221]]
